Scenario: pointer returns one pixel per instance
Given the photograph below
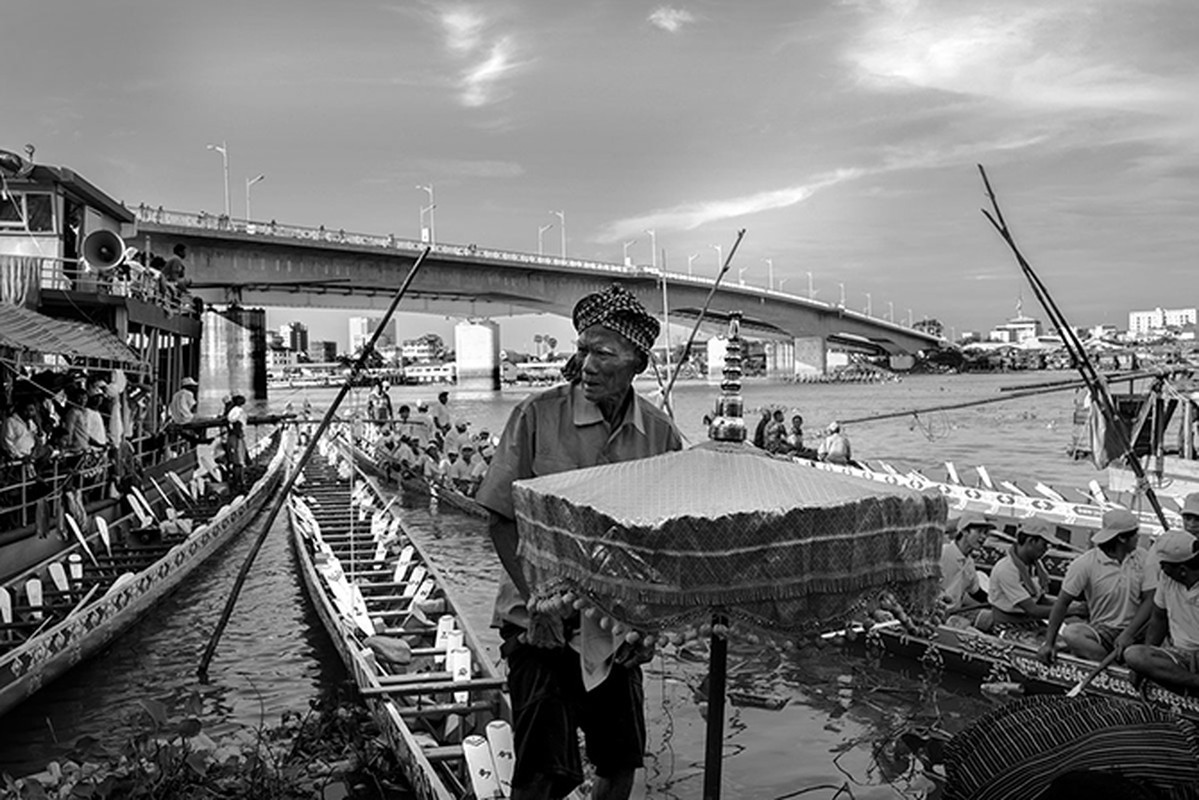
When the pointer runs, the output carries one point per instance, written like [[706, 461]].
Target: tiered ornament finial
[[729, 422]]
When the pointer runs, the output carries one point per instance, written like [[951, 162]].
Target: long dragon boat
[[415, 485], [417, 664], [65, 609]]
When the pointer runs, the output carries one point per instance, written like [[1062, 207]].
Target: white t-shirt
[[1112, 589], [1182, 609]]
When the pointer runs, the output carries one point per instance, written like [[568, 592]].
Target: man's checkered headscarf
[[619, 311]]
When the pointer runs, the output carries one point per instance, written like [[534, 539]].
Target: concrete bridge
[[252, 263]]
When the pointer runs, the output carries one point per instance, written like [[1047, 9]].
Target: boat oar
[[298, 467], [1081, 686]]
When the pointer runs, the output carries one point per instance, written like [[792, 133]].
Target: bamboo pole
[[281, 497]]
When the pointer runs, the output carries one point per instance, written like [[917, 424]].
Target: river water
[[843, 712]]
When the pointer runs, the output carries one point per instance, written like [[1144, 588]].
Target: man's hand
[[1047, 653], [631, 654], [1122, 643]]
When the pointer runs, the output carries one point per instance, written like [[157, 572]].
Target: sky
[[842, 135]]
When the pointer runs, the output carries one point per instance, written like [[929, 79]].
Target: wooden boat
[[417, 486], [1002, 662], [417, 663], [65, 609]]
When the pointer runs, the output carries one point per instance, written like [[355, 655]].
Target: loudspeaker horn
[[103, 249]]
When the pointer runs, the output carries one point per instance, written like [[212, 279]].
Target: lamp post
[[561, 215], [890, 311], [781, 282], [741, 275], [868, 308], [909, 317], [690, 259], [428, 210], [719, 257], [626, 251], [842, 303], [223, 149], [653, 247], [541, 229], [811, 288], [769, 272], [250, 182]]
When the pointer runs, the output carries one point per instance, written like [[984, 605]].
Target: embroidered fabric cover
[[1016, 751], [663, 540]]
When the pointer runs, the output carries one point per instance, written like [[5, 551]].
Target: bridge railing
[[215, 222]]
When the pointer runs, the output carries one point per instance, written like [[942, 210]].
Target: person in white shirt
[[458, 436], [835, 448], [1176, 612], [959, 575], [183, 404], [21, 435], [442, 418], [236, 453]]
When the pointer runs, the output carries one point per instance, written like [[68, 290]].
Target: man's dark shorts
[[549, 706]]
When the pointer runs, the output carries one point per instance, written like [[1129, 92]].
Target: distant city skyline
[[843, 136]]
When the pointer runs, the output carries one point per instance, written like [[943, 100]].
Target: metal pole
[[714, 739], [541, 229], [225, 158], [665, 317], [653, 248], [281, 497], [770, 272]]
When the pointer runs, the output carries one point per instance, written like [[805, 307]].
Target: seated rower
[[1175, 611], [959, 575], [1019, 580], [1109, 577]]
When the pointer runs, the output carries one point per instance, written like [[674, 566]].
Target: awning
[[22, 329]]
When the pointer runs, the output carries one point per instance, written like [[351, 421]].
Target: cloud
[[468, 168], [670, 19], [468, 35], [692, 215]]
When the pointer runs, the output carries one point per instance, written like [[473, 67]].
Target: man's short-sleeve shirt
[[959, 575], [1182, 610], [559, 430], [1112, 588], [1006, 591]]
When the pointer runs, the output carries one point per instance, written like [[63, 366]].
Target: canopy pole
[[717, 677], [281, 497]]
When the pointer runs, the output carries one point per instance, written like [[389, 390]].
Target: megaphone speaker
[[103, 249]]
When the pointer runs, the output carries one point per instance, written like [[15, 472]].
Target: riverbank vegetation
[[331, 752]]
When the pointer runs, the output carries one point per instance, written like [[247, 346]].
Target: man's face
[[972, 539], [1190, 524], [609, 364], [1037, 548]]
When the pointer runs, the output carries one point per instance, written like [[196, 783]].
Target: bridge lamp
[[769, 272], [428, 210], [811, 288], [561, 215], [741, 275], [781, 282], [869, 310], [223, 149], [250, 182], [690, 259], [541, 238], [719, 257], [890, 311], [909, 317], [842, 303], [626, 251], [653, 247]]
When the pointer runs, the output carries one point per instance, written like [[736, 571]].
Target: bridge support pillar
[[780, 359], [477, 348], [810, 355]]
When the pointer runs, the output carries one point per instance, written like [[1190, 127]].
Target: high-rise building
[[1159, 319], [295, 336], [322, 352], [362, 329]]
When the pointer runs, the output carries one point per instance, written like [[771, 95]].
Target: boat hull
[[54, 651]]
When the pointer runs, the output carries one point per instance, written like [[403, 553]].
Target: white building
[[417, 349], [1016, 330], [1158, 320]]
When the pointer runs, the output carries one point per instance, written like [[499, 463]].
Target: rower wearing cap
[[1019, 580], [959, 575], [1109, 577], [1152, 575], [458, 435], [1175, 611]]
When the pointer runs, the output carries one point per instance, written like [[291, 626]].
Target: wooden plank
[[404, 690]]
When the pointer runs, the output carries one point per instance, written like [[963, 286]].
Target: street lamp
[[770, 272], [653, 247], [250, 182], [428, 210], [719, 257], [223, 149], [909, 317], [626, 251], [781, 282], [890, 311], [541, 237], [741, 275], [690, 259], [842, 303], [869, 310], [811, 288], [561, 215]]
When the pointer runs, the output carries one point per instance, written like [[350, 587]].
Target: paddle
[[1081, 686]]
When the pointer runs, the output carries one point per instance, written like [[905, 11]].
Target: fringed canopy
[[663, 540]]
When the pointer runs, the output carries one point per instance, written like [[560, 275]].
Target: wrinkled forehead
[[600, 336]]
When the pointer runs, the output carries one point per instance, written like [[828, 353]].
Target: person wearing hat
[[1109, 577], [422, 423], [959, 575], [464, 468], [182, 408], [835, 447], [457, 436], [1153, 575], [595, 418], [442, 418], [1019, 580], [1176, 612], [429, 464]]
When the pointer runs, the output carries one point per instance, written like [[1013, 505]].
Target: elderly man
[[1152, 575], [1175, 611], [959, 575], [597, 418], [1109, 576]]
